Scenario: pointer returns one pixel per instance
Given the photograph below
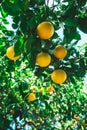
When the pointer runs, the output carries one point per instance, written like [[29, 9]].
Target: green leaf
[[5, 21], [15, 26], [4, 14], [28, 46], [71, 33], [82, 63], [70, 11], [55, 36], [9, 33], [41, 2], [11, 8], [82, 24], [19, 46], [31, 23], [1, 124], [85, 53], [77, 36], [23, 88], [23, 27], [70, 22], [81, 2], [12, 1], [3, 28], [16, 19]]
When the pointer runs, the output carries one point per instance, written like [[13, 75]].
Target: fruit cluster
[[34, 89], [45, 30]]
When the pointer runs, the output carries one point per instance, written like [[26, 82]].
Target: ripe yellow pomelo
[[58, 76], [43, 59], [11, 54], [31, 97], [45, 30], [60, 52]]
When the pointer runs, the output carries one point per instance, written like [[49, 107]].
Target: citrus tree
[[42, 73]]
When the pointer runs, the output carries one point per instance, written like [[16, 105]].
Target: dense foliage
[[50, 111]]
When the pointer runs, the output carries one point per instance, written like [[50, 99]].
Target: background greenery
[[49, 111]]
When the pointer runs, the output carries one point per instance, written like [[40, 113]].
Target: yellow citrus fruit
[[43, 59], [58, 76], [50, 89], [11, 54], [33, 88], [32, 97], [77, 118], [84, 123], [60, 52], [45, 30]]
